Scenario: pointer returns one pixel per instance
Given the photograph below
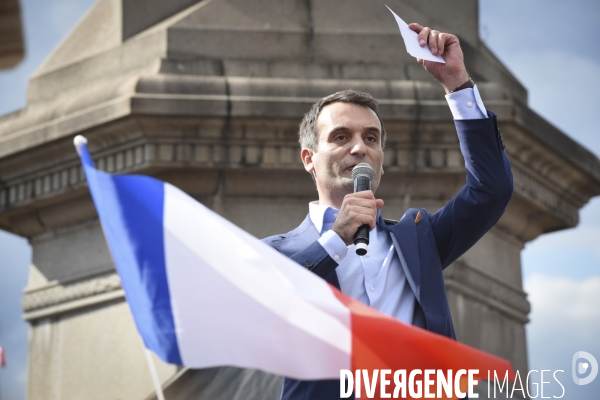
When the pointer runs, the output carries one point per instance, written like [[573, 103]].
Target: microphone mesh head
[[363, 169]]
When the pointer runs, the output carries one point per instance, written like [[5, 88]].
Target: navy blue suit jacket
[[424, 248]]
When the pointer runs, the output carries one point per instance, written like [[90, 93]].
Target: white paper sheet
[[411, 41]]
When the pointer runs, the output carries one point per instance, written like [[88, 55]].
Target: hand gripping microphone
[[362, 175]]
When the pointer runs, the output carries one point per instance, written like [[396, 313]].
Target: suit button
[[501, 141], [309, 264]]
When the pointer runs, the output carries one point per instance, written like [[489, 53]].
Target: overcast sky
[[550, 46]]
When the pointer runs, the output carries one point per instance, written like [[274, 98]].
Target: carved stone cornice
[[29, 186], [576, 177], [55, 298], [549, 196], [488, 290], [152, 154]]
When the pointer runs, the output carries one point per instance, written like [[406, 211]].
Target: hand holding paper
[[428, 46], [411, 41]]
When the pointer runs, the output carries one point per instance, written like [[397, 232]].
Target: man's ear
[[307, 159], [381, 171]]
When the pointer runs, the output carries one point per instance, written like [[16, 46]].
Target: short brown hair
[[308, 134]]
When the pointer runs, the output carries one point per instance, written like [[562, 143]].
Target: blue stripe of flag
[[131, 209]]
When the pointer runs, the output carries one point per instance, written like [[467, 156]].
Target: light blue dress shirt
[[377, 279]]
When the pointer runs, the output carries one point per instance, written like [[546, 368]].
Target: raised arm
[[489, 184], [481, 202]]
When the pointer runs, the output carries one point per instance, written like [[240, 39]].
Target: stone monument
[[208, 95]]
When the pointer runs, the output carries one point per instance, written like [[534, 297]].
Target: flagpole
[[154, 374]]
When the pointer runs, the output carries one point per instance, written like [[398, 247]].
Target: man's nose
[[358, 147]]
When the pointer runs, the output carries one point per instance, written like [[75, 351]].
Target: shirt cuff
[[334, 246], [466, 104]]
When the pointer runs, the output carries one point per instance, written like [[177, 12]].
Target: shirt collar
[[320, 215]]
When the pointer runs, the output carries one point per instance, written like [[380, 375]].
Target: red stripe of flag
[[2, 357], [381, 342]]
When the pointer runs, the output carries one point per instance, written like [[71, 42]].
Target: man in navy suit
[[401, 275]]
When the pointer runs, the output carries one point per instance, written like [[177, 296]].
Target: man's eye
[[372, 139], [340, 137]]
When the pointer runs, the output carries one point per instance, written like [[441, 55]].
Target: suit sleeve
[[316, 259], [482, 200], [313, 256]]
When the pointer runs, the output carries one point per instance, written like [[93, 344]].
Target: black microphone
[[362, 175]]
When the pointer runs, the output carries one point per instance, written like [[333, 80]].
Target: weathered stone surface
[[208, 95], [87, 255], [90, 354], [12, 49]]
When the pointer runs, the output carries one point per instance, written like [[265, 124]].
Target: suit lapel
[[404, 236]]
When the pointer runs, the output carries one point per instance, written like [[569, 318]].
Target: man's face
[[349, 134]]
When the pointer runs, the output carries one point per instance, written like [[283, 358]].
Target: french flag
[[205, 293]]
